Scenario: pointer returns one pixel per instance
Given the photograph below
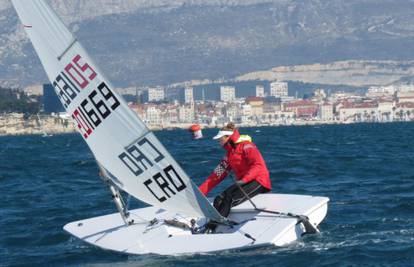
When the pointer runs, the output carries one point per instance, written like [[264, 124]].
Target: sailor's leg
[[233, 196], [252, 189], [226, 199], [222, 203]]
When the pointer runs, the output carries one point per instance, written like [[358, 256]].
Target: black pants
[[233, 196]]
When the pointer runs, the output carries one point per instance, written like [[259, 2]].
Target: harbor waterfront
[[17, 124], [48, 182], [274, 108]]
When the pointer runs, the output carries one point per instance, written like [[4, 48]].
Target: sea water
[[367, 170]]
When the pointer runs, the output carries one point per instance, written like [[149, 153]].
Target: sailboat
[[132, 160]]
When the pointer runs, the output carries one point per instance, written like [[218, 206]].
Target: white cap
[[220, 134]]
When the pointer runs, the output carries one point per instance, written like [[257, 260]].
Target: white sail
[[138, 163]]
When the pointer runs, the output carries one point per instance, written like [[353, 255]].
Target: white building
[[325, 112], [232, 112], [246, 113], [227, 93], [153, 115], [171, 114], [358, 112], [279, 89], [337, 96], [188, 95], [155, 94], [405, 96], [186, 114], [405, 87], [381, 91], [260, 91], [386, 111]]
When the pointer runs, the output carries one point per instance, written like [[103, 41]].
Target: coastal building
[[380, 91], [302, 108], [256, 104], [344, 96], [325, 112], [254, 101], [188, 95], [154, 95], [279, 89], [286, 99], [272, 103], [170, 114], [358, 112], [133, 90], [385, 110], [186, 114], [227, 93], [405, 96], [260, 91], [246, 112], [405, 87], [153, 115], [232, 112]]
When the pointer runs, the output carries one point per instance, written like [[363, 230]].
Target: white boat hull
[[109, 231]]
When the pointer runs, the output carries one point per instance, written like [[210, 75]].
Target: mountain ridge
[[166, 42]]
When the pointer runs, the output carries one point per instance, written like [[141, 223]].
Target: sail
[[137, 162]]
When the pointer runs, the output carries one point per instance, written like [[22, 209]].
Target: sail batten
[[117, 137], [67, 49]]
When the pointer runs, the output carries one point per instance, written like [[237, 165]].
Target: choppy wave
[[367, 170]]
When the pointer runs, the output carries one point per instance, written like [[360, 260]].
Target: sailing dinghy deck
[[110, 232]]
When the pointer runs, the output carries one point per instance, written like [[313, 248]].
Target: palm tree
[[393, 112], [366, 115], [373, 118]]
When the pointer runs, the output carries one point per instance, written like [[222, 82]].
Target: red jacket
[[244, 159]]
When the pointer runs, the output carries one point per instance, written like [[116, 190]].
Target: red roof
[[406, 105], [307, 111], [299, 103], [254, 99]]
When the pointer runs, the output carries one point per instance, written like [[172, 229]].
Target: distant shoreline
[[17, 125]]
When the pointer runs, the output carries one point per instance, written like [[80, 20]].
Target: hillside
[[164, 42]]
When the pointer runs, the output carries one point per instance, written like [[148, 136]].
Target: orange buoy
[[196, 130]]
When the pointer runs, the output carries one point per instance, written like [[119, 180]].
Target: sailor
[[245, 160]]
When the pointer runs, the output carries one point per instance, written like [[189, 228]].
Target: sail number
[[94, 109], [75, 77], [98, 104], [162, 185]]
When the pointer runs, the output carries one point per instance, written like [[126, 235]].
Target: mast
[[116, 196]]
